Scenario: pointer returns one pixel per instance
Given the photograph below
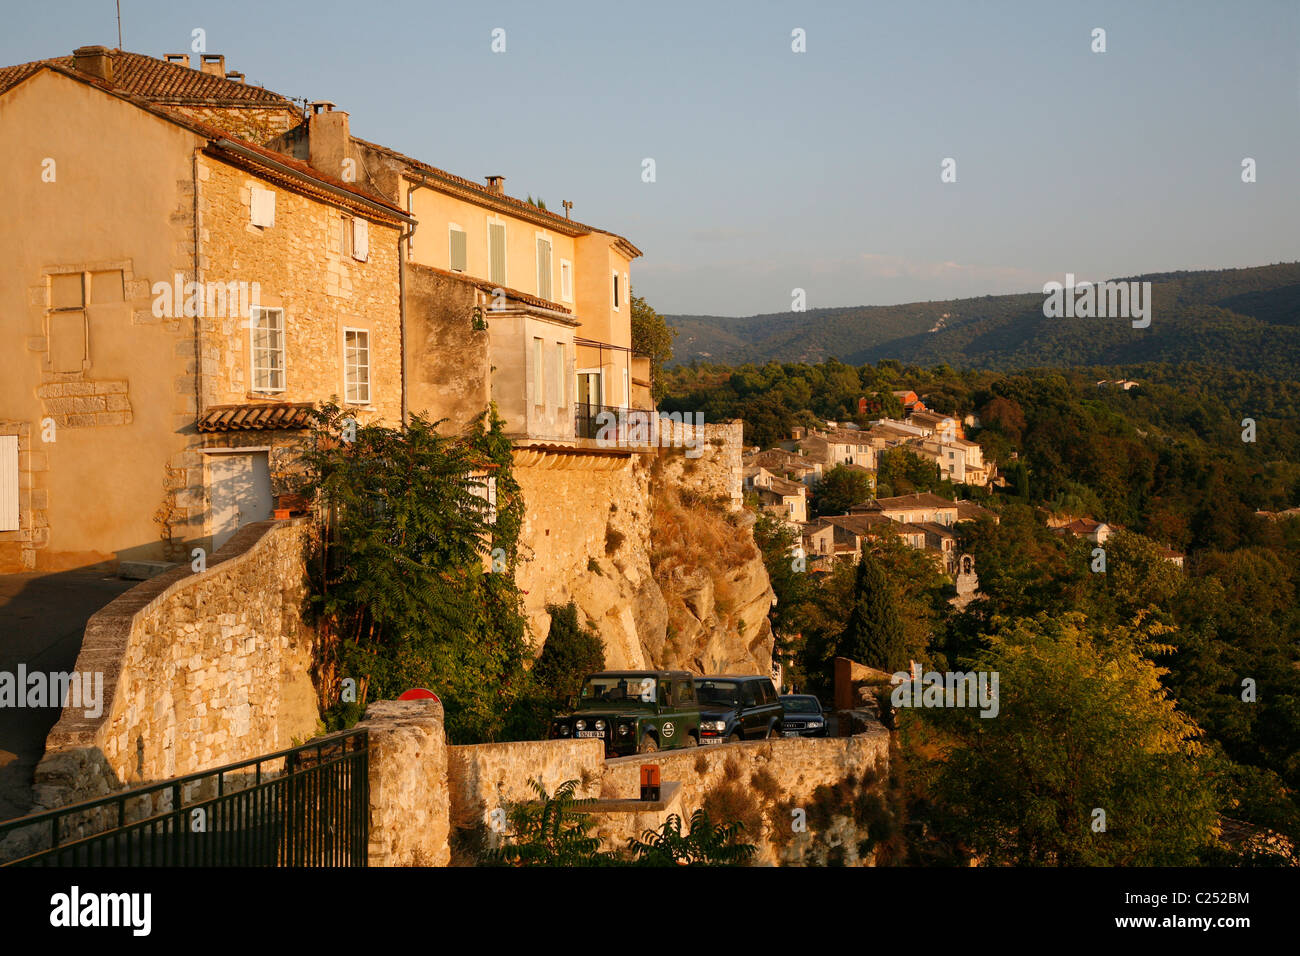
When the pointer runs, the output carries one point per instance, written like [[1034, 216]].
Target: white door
[[8, 482], [241, 492]]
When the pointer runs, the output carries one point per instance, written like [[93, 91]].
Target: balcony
[[615, 427]]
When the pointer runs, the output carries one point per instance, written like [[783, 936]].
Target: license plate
[[790, 733], [591, 733], [710, 740]]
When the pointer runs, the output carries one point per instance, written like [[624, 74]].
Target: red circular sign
[[419, 693]]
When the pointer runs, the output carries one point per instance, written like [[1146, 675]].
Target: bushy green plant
[[415, 586], [705, 844]]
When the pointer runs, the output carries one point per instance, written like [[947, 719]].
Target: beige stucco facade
[[103, 385]]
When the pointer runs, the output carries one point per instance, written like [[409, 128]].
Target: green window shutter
[[459, 255], [544, 269], [497, 253]]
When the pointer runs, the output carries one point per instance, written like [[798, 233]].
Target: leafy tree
[[652, 335], [904, 472], [874, 632], [1083, 724], [402, 592], [571, 652], [840, 489]]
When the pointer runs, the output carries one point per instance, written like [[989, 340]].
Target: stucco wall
[[199, 670], [117, 204], [446, 357]]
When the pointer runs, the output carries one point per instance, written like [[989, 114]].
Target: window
[[356, 366], [539, 378], [615, 291], [485, 487], [543, 268], [566, 280], [561, 373], [497, 252], [267, 334], [67, 322], [458, 252], [262, 207], [8, 482]]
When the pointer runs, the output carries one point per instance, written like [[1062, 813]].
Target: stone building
[[174, 296]]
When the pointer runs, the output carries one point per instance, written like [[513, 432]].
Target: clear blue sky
[[817, 170]]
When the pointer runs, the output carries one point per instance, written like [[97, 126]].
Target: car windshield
[[800, 705], [723, 692], [619, 688]]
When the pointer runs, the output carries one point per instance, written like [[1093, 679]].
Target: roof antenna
[[119, 24]]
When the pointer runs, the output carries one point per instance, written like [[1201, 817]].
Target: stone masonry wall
[[778, 775], [408, 783], [199, 670], [794, 767]]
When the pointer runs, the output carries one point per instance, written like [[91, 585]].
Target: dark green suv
[[633, 712]]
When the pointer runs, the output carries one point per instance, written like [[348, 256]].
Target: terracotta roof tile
[[233, 418], [162, 82]]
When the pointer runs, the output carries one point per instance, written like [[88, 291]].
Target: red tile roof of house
[[920, 500], [162, 82], [220, 142], [479, 192]]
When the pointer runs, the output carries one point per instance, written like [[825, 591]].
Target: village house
[[168, 343], [1095, 531]]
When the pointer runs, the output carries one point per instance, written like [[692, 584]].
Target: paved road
[[42, 617]]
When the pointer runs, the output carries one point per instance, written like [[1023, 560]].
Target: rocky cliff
[[655, 552]]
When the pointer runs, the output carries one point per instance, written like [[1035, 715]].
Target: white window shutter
[[360, 239], [262, 207], [8, 482]]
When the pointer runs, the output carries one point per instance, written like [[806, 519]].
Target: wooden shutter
[[544, 268], [497, 253], [8, 482], [263, 207], [459, 253], [360, 239]]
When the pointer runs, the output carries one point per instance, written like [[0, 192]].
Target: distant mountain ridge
[[1232, 318]]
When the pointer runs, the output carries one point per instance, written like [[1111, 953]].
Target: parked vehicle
[[804, 716], [633, 712], [736, 707]]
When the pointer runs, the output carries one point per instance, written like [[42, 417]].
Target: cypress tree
[[874, 633]]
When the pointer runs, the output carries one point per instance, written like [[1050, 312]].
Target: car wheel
[[691, 741], [734, 739], [648, 745], [773, 733]]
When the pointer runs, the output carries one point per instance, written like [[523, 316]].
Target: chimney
[[180, 59], [329, 140], [497, 184], [235, 77], [94, 60], [214, 64]]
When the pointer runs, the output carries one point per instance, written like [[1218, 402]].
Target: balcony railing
[[615, 426]]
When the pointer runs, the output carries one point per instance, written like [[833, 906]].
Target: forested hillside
[[1236, 318]]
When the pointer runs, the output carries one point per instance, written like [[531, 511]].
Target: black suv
[[737, 707], [803, 716]]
